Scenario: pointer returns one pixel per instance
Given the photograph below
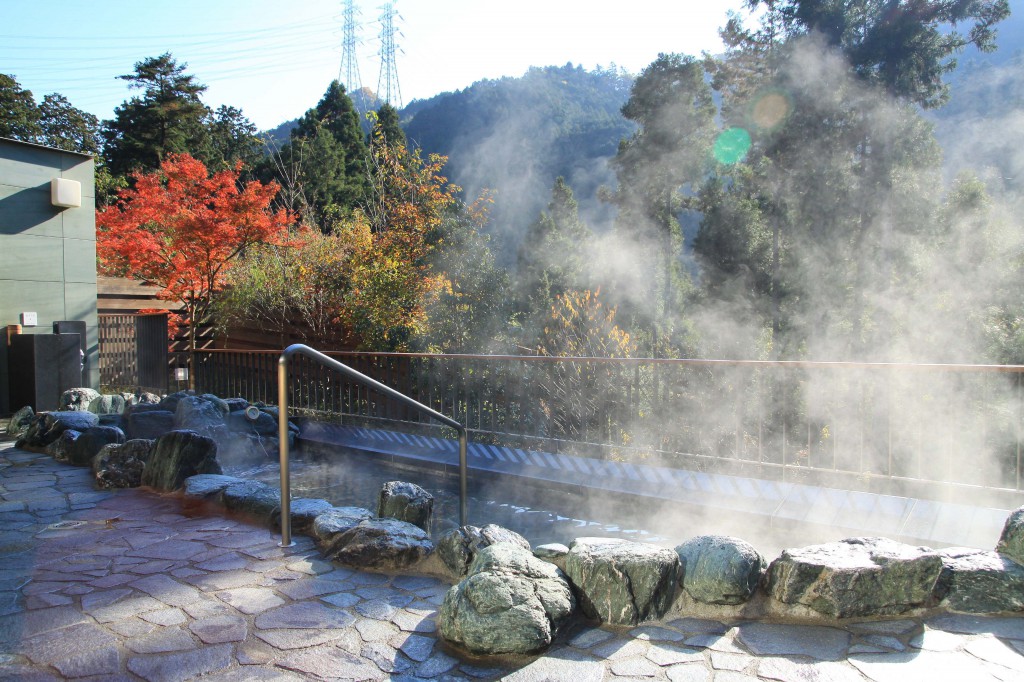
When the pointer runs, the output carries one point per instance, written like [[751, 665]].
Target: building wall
[[47, 253]]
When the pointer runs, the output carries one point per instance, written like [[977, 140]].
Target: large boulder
[[148, 421], [108, 404], [121, 465], [458, 547], [406, 502], [256, 422], [510, 603], [622, 582], [255, 499], [178, 455], [1011, 541], [208, 486], [20, 421], [77, 399], [303, 512], [382, 544], [337, 520], [199, 414], [856, 577], [60, 449], [719, 569], [89, 444], [48, 426], [170, 402], [978, 581]]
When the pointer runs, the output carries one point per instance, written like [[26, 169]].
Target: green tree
[[469, 311], [231, 137], [553, 255], [387, 128], [19, 115], [65, 127], [167, 118], [325, 161], [665, 160]]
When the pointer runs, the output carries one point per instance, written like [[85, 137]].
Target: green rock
[[621, 582], [719, 569], [509, 603]]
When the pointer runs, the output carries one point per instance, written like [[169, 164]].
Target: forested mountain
[[517, 135], [982, 126]]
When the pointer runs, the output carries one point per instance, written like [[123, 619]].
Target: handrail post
[[282, 429], [463, 466], [283, 449]]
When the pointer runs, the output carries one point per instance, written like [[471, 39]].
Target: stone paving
[[124, 586]]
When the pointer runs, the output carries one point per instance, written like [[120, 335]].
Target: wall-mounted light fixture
[[181, 373], [65, 193]]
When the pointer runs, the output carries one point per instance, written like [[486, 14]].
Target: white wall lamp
[[65, 193]]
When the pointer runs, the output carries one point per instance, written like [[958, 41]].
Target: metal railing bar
[[282, 426]]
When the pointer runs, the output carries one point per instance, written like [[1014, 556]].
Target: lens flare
[[770, 110], [732, 146]]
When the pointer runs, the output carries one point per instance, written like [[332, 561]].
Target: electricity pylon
[[387, 82], [348, 70]]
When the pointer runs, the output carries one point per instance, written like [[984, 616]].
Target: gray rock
[[107, 404], [207, 486], [552, 550], [303, 512], [220, 404], [178, 455], [856, 577], [198, 414], [144, 398], [20, 421], [458, 547], [262, 425], [406, 502], [236, 404], [1011, 541], [252, 498], [622, 583], [47, 427], [148, 422], [170, 402], [121, 465], [77, 399], [510, 602], [338, 520], [383, 544], [60, 449], [719, 569], [977, 581], [89, 444]]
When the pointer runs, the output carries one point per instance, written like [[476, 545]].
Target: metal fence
[[926, 430]]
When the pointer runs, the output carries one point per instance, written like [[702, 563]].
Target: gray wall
[[47, 254]]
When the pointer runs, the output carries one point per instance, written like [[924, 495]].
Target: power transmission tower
[[348, 70], [387, 82]]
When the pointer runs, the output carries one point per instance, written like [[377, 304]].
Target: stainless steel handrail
[[282, 428]]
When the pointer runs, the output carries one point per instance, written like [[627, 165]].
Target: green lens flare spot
[[732, 146]]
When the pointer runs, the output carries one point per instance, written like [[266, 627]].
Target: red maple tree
[[181, 227]]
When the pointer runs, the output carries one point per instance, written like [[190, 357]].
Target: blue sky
[[274, 60]]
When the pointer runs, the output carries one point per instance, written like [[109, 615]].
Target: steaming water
[[542, 515]]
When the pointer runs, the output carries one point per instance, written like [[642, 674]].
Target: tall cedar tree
[[181, 228], [335, 116], [552, 256]]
